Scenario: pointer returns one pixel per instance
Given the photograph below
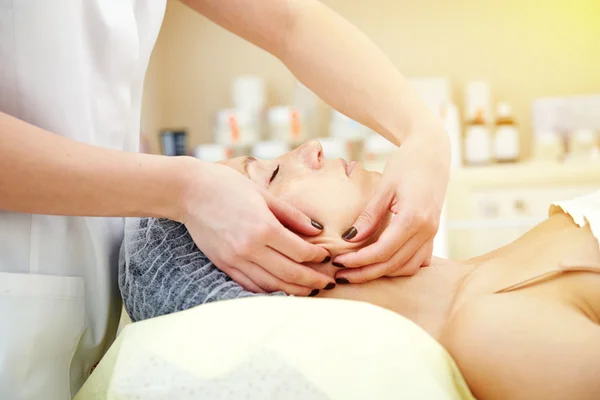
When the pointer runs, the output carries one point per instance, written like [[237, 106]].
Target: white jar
[[334, 148], [213, 152], [506, 138], [478, 101], [582, 145], [451, 117], [269, 150], [548, 146], [248, 93], [285, 124], [582, 141], [236, 127], [376, 152], [308, 104], [344, 127], [478, 145]]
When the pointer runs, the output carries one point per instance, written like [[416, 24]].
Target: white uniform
[[76, 68]]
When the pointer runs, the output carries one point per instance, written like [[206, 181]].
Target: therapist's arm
[[44, 173], [341, 65], [330, 56], [228, 216]]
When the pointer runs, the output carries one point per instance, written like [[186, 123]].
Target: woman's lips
[[344, 165], [348, 167]]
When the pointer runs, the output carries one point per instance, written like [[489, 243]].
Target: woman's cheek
[[301, 199]]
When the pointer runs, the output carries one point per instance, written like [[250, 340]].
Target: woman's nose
[[311, 153]]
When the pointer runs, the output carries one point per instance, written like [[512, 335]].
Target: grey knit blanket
[[161, 271]]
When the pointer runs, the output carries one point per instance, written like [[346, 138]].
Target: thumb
[[368, 221], [291, 217]]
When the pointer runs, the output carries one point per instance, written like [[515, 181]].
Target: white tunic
[[76, 68]]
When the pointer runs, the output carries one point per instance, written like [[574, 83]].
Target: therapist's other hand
[[240, 228], [412, 188]]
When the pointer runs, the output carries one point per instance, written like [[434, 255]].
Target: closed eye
[[274, 174]]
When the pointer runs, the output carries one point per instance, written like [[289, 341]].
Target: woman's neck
[[425, 298]]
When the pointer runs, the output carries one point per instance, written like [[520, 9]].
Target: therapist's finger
[[368, 221], [429, 247], [391, 240], [270, 283], [240, 278], [292, 272], [291, 217], [295, 248], [421, 258], [374, 271]]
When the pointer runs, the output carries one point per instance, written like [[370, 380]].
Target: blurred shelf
[[527, 173], [488, 207]]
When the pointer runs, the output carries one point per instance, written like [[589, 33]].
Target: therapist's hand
[[412, 188], [240, 228]]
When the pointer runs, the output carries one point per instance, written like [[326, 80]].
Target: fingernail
[[329, 286], [316, 224], [314, 293], [326, 260], [337, 264], [350, 233], [342, 281]]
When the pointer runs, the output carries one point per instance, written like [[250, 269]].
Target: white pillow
[[277, 348]]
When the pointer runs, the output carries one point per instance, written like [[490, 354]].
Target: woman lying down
[[521, 322]]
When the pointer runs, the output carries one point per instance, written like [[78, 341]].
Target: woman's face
[[331, 192]]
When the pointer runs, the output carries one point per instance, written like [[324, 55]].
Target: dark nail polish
[[350, 233], [314, 293], [326, 260], [316, 224], [342, 281], [337, 264], [329, 286]]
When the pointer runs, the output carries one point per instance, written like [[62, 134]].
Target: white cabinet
[[492, 206]]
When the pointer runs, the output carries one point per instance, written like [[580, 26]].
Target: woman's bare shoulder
[[522, 346], [554, 240]]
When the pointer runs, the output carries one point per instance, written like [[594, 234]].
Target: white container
[[343, 127], [334, 148], [249, 93], [213, 152], [285, 124], [548, 146], [582, 145], [478, 145], [236, 127], [308, 104], [451, 118], [435, 92], [377, 150], [269, 150], [478, 101], [582, 141], [506, 139]]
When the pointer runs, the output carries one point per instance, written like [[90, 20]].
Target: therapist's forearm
[[333, 58], [44, 173], [343, 66]]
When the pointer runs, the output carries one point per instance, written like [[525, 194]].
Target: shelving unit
[[487, 207]]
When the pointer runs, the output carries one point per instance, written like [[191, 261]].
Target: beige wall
[[526, 49]]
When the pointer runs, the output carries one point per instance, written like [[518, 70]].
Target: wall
[[526, 49]]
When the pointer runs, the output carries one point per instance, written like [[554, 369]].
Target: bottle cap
[[503, 110]]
